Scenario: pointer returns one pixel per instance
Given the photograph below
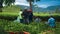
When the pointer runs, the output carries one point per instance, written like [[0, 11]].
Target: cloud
[[42, 3], [17, 3], [21, 2]]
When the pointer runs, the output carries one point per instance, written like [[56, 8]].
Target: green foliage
[[9, 2], [1, 3], [10, 12], [33, 28], [6, 2], [30, 2], [33, 0]]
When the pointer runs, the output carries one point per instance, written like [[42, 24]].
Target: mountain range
[[39, 9]]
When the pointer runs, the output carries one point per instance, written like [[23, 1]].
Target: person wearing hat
[[25, 16]]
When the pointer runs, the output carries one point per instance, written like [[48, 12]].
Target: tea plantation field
[[9, 14], [33, 28]]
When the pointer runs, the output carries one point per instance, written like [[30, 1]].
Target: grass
[[45, 14], [36, 14], [14, 10], [33, 28]]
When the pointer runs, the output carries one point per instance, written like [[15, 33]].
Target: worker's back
[[51, 22]]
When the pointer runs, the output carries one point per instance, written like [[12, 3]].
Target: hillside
[[39, 9]]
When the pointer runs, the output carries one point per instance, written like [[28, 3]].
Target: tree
[[30, 2], [9, 2], [1, 5], [6, 2]]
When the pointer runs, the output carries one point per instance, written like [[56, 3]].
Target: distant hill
[[53, 7], [39, 9]]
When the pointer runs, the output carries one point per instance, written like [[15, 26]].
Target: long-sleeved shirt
[[20, 15], [51, 22]]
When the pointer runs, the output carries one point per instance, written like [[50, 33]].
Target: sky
[[42, 3]]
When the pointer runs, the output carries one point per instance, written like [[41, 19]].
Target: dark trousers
[[30, 18], [21, 20], [26, 20]]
